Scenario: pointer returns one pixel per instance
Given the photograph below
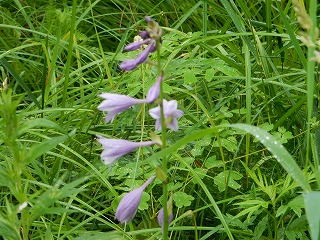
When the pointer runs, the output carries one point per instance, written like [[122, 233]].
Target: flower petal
[[116, 148], [129, 204], [116, 103], [128, 65], [154, 91], [136, 45], [155, 112]]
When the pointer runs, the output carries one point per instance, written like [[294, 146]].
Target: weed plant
[[245, 161]]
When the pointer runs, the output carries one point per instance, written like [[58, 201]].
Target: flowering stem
[[163, 139]]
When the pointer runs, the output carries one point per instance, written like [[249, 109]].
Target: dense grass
[[226, 62]]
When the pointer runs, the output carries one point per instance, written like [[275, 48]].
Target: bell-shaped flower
[[129, 204], [150, 36], [131, 64], [154, 91], [171, 113], [136, 45], [113, 149], [160, 217], [116, 103]]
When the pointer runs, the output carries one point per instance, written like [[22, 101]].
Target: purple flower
[[148, 19], [136, 45], [154, 91], [142, 57], [128, 205], [144, 34], [150, 36], [116, 103], [160, 217], [128, 65], [171, 113], [116, 148]]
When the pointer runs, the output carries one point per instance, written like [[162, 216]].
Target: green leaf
[[260, 228], [311, 202], [229, 143], [209, 74], [143, 205], [174, 186], [189, 77], [201, 172], [251, 207], [212, 162], [43, 148], [279, 152], [296, 205], [9, 229], [38, 122], [221, 179], [182, 199]]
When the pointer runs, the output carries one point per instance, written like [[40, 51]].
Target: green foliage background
[[226, 62]]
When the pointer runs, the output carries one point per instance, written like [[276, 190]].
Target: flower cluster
[[149, 37], [114, 104]]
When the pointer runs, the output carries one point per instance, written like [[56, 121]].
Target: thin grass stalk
[[310, 73], [69, 57], [248, 101], [269, 25], [205, 19]]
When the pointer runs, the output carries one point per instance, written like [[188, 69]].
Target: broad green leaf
[[229, 143], [189, 77], [311, 202], [209, 74], [196, 150], [201, 172], [212, 162], [221, 180], [182, 199], [143, 205], [279, 152], [174, 186]]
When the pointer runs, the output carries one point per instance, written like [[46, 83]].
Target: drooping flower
[[154, 91], [171, 113], [150, 36], [116, 103], [113, 149], [160, 217], [131, 64], [161, 213], [128, 205], [136, 45]]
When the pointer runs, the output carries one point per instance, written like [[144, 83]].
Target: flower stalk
[[164, 144]]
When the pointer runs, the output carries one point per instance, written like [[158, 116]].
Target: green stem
[[164, 144], [310, 74]]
